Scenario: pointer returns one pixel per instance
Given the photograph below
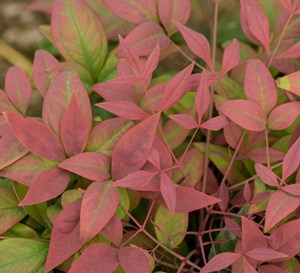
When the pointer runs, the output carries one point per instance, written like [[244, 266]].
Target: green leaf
[[70, 196], [124, 201], [168, 226], [22, 255], [21, 231], [109, 70]]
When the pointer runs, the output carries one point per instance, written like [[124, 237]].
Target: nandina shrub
[[158, 148]]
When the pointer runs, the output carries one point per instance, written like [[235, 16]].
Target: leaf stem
[[267, 148]]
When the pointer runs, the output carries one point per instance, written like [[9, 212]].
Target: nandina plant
[[168, 141]]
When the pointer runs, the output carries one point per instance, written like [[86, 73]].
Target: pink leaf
[[133, 260], [265, 254], [74, 129], [266, 175], [197, 43], [154, 158], [259, 85], [220, 261], [173, 11], [91, 165], [215, 124], [113, 230], [45, 69], [5, 103], [293, 189], [35, 136], [259, 155], [184, 120], [135, 12], [99, 204], [202, 98], [134, 147], [286, 4], [291, 160], [248, 268], [18, 88], [175, 88], [284, 115], [231, 57], [280, 205], [223, 194], [247, 192], [90, 262], [290, 83], [245, 113], [65, 236], [255, 23], [189, 199], [124, 109], [48, 185], [152, 62], [270, 268], [168, 192], [292, 52], [252, 237]]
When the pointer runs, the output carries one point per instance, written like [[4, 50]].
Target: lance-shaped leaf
[[113, 230], [284, 115], [10, 149], [22, 255], [202, 98], [99, 257], [99, 204], [65, 236], [280, 205], [248, 268], [171, 11], [266, 175], [176, 88], [74, 129], [168, 192], [104, 137], [265, 254], [291, 160], [18, 88], [83, 39], [255, 23], [58, 98], [293, 189], [91, 165], [133, 260], [184, 120], [124, 109], [292, 52], [152, 62], [134, 147], [290, 83], [5, 103], [220, 261], [35, 136], [231, 57], [136, 11], [197, 43], [216, 123], [259, 85], [259, 155], [45, 69], [49, 184], [286, 238], [144, 38], [189, 199], [245, 113]]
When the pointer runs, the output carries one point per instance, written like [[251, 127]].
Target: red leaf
[[184, 120], [124, 109], [173, 11], [284, 115], [220, 261], [18, 88], [269, 268], [293, 189], [197, 43], [134, 147], [91, 165], [286, 4], [286, 238], [5, 104], [113, 230], [291, 160], [65, 236], [189, 199], [247, 192], [255, 23], [35, 136], [215, 124], [259, 85], [97, 258], [99, 205], [133, 260], [280, 205], [252, 237], [48, 185], [168, 192], [136, 11], [265, 254], [152, 62], [293, 52], [245, 113], [74, 129], [266, 175], [231, 57], [138, 181], [176, 88], [259, 155], [154, 158], [248, 268], [202, 98], [45, 69], [224, 196]]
